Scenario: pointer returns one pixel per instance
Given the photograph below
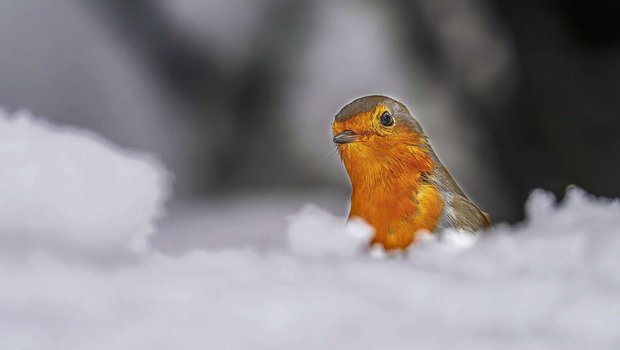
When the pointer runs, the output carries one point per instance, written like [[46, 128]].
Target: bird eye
[[386, 119]]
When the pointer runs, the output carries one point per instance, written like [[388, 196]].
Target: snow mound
[[317, 233], [550, 282], [71, 193]]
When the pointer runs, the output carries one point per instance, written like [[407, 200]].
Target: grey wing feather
[[461, 214]]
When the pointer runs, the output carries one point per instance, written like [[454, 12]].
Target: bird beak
[[346, 136]]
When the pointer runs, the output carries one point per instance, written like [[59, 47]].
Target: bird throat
[[388, 191]]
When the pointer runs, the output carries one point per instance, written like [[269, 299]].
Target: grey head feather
[[367, 103]]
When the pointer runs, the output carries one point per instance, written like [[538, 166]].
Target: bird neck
[[392, 169]]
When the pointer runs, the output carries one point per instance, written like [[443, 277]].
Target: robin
[[399, 185]]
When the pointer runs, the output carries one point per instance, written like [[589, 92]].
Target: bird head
[[379, 134]]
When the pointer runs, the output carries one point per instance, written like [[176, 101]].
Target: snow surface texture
[[70, 193], [67, 196]]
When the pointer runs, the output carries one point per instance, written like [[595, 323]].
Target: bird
[[399, 186]]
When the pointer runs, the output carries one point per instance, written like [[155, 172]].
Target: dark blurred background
[[237, 96]]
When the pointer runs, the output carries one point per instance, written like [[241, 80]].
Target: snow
[[66, 195], [317, 233], [73, 194]]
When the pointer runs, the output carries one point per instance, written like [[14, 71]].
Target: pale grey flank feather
[[469, 217]]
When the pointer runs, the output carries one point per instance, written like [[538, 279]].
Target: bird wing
[[461, 214]]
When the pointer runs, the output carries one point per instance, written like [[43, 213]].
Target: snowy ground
[[83, 266]]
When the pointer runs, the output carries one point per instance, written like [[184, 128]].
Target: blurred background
[[237, 96]]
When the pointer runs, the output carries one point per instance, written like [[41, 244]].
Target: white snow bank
[[69, 192], [551, 282], [317, 233]]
